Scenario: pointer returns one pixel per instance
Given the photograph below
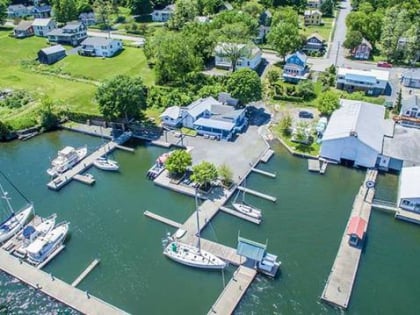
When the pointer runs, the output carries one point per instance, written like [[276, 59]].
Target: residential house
[[17, 11], [100, 47], [23, 29], [354, 134], [71, 34], [295, 68], [250, 56], [51, 54], [163, 15], [362, 51], [314, 4], [314, 43], [372, 82], [409, 189], [312, 17], [40, 12], [43, 26], [172, 117], [411, 78], [410, 111], [87, 18]]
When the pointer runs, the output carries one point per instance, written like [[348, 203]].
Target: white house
[[250, 55], [409, 189], [372, 82], [163, 15], [411, 78], [354, 134], [71, 34], [100, 47], [197, 109], [43, 26], [172, 117]]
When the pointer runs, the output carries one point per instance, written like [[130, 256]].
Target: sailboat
[[15, 221], [106, 164], [245, 208], [190, 255]]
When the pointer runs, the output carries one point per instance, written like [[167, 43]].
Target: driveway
[[113, 35]]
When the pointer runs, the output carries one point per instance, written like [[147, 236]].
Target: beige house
[[312, 17]]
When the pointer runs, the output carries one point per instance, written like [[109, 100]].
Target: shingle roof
[[300, 55], [409, 103], [199, 106], [173, 112], [41, 22], [23, 25], [97, 41], [412, 74], [317, 36], [53, 49]]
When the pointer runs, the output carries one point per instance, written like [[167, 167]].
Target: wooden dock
[[240, 215], [258, 194], [84, 274], [59, 290], [340, 282], [233, 292], [267, 156], [257, 170], [162, 219]]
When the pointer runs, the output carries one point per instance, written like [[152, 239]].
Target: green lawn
[[323, 30]]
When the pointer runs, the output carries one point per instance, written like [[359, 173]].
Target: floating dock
[[319, 166], [84, 274], [59, 290], [162, 144], [258, 194], [240, 215], [162, 219], [408, 216], [88, 180], [233, 292], [340, 282], [256, 170], [267, 156]]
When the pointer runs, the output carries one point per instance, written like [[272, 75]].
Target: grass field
[[323, 30]]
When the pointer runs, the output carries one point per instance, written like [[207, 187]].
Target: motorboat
[[247, 210], [39, 250], [66, 159], [30, 233], [106, 164]]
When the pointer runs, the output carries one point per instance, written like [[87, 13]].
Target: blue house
[[295, 68]]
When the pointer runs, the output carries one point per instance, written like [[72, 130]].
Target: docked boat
[[15, 221], [191, 255], [247, 210], [30, 233], [159, 166], [66, 159], [106, 164], [39, 250]]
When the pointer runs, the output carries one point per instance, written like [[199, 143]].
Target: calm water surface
[[304, 228]]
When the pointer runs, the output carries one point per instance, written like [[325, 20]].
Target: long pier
[[258, 194], [84, 274], [233, 292], [257, 170], [162, 219], [240, 215], [59, 290], [340, 282]]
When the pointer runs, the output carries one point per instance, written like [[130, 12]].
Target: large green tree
[[327, 8], [121, 97], [140, 6], [245, 85], [3, 11], [4, 131], [328, 102], [178, 162], [285, 38], [185, 11], [65, 10], [353, 39], [204, 173], [412, 47], [47, 118], [225, 174]]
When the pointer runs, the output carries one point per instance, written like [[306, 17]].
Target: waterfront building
[[409, 189], [372, 82], [356, 230], [172, 117]]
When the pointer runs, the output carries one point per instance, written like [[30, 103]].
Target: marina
[[240, 215], [258, 194], [256, 170], [86, 272]]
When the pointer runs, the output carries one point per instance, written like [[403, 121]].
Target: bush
[[17, 99], [120, 19]]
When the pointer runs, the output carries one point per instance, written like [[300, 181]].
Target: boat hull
[[14, 224], [247, 210], [106, 165], [58, 169]]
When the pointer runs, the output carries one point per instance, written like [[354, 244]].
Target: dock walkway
[[240, 215], [256, 193], [267, 156], [162, 219], [340, 282], [84, 274], [257, 170], [233, 292], [79, 300]]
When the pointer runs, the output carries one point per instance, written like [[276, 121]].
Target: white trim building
[[43, 26], [100, 47], [372, 82], [409, 189]]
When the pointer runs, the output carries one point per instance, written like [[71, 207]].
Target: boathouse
[[356, 230], [409, 189]]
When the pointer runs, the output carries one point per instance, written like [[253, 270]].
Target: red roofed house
[[356, 230]]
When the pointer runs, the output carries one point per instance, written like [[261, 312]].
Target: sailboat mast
[[5, 197], [198, 220]]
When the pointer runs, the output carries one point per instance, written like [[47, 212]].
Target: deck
[[233, 292], [55, 288], [340, 282]]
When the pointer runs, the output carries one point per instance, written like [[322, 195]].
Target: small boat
[[66, 159], [30, 233], [159, 166], [247, 210], [106, 164], [39, 250], [15, 221]]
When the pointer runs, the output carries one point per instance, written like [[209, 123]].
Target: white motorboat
[[191, 255], [247, 210], [15, 221], [106, 164], [30, 233], [66, 159], [44, 246]]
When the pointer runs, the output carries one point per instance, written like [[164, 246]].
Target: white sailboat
[[103, 163], [245, 208], [66, 159], [191, 255], [15, 221]]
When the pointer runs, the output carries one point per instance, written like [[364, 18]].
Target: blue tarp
[[28, 231]]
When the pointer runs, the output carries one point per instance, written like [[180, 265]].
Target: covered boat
[[66, 159]]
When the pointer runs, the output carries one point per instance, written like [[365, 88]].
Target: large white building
[[354, 134], [409, 189], [372, 82]]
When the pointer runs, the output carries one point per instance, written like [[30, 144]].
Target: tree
[[273, 75], [225, 174], [328, 102], [204, 173], [209, 7], [305, 89], [412, 47], [3, 13], [245, 85], [253, 8], [65, 10], [4, 131], [104, 9], [200, 39], [83, 6], [121, 97], [185, 11], [141, 7], [285, 38], [178, 162], [234, 52], [398, 103], [353, 39], [285, 124], [286, 15], [327, 8], [48, 119]]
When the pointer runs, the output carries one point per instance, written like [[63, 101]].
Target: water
[[304, 228]]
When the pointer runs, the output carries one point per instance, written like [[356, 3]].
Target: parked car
[[305, 114], [384, 64]]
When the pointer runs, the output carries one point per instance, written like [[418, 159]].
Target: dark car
[[384, 64], [305, 114]]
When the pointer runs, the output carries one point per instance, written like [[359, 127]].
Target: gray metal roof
[[23, 25], [215, 124], [410, 102], [412, 74], [97, 41], [199, 106], [250, 249], [53, 49]]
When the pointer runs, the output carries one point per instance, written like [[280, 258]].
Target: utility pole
[[336, 56]]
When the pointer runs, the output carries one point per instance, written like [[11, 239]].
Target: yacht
[[106, 164], [44, 246], [66, 159], [247, 210]]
